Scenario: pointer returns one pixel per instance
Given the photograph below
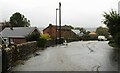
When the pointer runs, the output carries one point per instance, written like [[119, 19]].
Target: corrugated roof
[[17, 31]]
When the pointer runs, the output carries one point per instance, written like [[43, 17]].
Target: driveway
[[77, 56]]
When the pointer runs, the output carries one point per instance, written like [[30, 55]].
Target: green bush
[[45, 36], [86, 37], [33, 37], [117, 39], [112, 43], [41, 42]]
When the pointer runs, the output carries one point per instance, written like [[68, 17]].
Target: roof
[[17, 32], [92, 33], [77, 32], [62, 27]]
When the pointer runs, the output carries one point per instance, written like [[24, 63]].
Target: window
[[12, 41]]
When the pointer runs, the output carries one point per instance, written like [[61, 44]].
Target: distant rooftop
[[77, 32], [65, 27], [17, 31]]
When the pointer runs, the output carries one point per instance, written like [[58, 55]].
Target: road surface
[[0, 61], [77, 56]]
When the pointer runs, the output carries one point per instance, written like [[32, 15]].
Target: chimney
[[50, 24]]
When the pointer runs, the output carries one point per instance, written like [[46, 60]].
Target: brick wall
[[51, 30], [19, 40]]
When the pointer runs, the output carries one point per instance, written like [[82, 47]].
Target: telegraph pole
[[60, 23], [56, 25]]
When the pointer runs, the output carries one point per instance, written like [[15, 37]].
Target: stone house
[[17, 35], [53, 31]]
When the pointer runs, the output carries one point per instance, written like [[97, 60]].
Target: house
[[93, 35], [53, 31], [17, 34], [1, 28]]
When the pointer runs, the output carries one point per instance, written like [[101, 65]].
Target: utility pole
[[60, 23], [56, 25]]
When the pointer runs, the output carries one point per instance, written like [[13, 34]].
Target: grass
[[112, 44]]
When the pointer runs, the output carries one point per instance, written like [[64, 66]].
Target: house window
[[12, 41]]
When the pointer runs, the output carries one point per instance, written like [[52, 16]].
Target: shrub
[[33, 37], [112, 43], [41, 42], [117, 39], [86, 37], [46, 36]]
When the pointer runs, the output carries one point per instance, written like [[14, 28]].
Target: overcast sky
[[78, 13]]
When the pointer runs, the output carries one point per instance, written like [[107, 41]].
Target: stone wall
[[20, 52], [25, 49]]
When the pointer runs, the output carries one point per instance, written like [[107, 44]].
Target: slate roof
[[62, 27], [77, 32], [17, 32]]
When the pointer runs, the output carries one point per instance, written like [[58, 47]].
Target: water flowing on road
[[76, 56]]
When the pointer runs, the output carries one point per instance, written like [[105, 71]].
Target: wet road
[[0, 61], [77, 56]]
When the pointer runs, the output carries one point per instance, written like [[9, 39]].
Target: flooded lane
[[0, 61], [77, 56]]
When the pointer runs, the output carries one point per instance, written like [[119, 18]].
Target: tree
[[19, 20], [102, 31], [69, 26], [112, 20], [33, 37], [86, 36]]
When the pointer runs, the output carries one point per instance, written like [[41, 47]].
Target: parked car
[[102, 38]]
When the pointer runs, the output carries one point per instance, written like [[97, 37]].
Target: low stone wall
[[20, 52], [25, 49]]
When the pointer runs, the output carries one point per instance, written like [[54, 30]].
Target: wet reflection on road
[[76, 56]]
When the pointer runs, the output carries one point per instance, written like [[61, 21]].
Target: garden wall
[[26, 49], [20, 52]]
